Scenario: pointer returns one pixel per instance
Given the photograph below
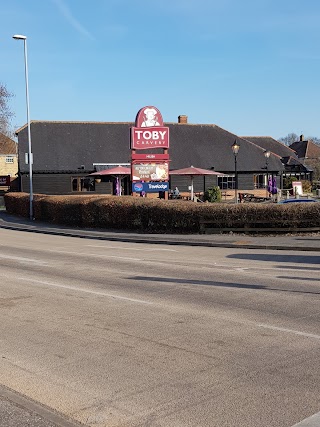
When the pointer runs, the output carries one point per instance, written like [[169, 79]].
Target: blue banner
[[150, 187]]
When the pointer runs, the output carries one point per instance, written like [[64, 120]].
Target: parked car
[[298, 201]]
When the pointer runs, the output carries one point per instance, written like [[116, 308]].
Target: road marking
[[313, 421], [118, 257], [94, 255], [131, 249], [23, 259], [291, 331], [88, 291]]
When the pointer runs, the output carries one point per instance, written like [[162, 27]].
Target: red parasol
[[192, 171], [118, 172]]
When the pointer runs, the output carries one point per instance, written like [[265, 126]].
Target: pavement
[[287, 242]]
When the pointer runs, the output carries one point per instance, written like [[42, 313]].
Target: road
[[125, 334]]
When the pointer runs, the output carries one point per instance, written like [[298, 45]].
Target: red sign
[[150, 172], [5, 180], [142, 139], [148, 117], [150, 157]]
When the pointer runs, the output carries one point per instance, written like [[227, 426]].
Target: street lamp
[[30, 159], [235, 148], [267, 155]]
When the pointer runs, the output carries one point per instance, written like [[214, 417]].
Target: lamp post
[[267, 155], [235, 149], [30, 159]]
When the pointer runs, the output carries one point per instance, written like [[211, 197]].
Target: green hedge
[[161, 216]]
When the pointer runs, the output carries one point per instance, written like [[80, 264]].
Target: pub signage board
[[150, 157], [150, 171], [150, 187], [149, 131]]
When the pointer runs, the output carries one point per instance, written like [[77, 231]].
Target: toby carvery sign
[[149, 131]]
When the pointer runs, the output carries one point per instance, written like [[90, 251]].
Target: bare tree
[[5, 112], [289, 139], [293, 137]]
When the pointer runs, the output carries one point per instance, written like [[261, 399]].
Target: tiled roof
[[306, 149], [293, 162], [271, 144], [7, 145], [68, 145]]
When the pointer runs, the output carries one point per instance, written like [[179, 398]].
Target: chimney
[[183, 119], [301, 137]]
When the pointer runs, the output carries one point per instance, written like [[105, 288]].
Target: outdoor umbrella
[[274, 185], [192, 172], [269, 187], [118, 172]]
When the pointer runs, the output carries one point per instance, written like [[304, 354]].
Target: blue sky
[[251, 67]]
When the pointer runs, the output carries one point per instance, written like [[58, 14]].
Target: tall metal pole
[[267, 154], [267, 178], [235, 149], [30, 158], [236, 178]]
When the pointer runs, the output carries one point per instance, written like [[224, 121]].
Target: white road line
[[88, 291], [291, 331], [23, 259], [313, 421], [94, 255], [132, 249], [119, 257]]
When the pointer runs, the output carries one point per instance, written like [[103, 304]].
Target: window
[[259, 181], [226, 182], [79, 183], [9, 159]]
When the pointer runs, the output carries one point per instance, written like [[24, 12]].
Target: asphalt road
[[126, 334]]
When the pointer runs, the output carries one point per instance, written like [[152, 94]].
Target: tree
[[293, 137], [314, 164], [289, 139], [5, 112]]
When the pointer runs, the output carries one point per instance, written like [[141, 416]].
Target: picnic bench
[[248, 197], [226, 194], [180, 196]]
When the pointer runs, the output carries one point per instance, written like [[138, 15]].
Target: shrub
[[287, 182], [162, 216], [306, 186], [212, 195]]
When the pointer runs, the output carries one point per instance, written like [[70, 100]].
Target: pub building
[[66, 153]]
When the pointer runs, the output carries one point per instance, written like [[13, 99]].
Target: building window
[[9, 159], [259, 181], [79, 183], [226, 182]]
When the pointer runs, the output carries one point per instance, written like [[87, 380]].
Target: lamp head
[[267, 154], [235, 147], [19, 37]]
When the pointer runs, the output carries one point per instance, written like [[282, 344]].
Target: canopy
[[118, 170], [192, 171]]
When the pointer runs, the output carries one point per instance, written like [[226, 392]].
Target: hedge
[[161, 216]]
